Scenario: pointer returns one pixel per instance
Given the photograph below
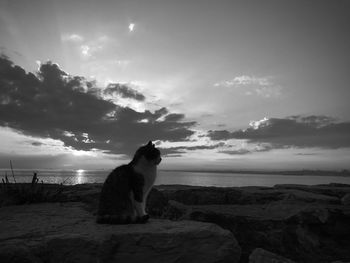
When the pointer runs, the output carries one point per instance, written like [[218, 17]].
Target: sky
[[231, 85]]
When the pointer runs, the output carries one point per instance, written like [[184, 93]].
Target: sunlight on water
[[79, 177]]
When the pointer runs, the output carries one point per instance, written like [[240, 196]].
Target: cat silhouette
[[125, 190]]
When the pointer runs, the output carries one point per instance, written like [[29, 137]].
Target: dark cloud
[[306, 154], [174, 117], [183, 149], [294, 131], [236, 152], [243, 151], [53, 104], [124, 91], [37, 143]]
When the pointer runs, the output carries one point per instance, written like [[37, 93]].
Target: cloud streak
[[179, 150], [72, 38], [251, 85]]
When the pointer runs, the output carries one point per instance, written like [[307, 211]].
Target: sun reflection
[[79, 178]]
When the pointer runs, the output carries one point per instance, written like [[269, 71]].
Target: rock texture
[[303, 223], [260, 255], [307, 224], [67, 232], [346, 199]]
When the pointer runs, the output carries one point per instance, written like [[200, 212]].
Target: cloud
[[121, 62], [54, 104], [124, 91], [37, 143], [293, 131], [244, 80], [306, 154], [174, 117], [248, 149], [251, 85], [236, 152], [85, 50], [89, 49], [183, 149], [72, 38]]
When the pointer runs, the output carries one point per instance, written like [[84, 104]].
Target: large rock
[[299, 231], [68, 233]]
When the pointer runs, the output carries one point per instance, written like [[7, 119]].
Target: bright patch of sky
[[131, 27]]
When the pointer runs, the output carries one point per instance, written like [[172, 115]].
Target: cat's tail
[[121, 219]]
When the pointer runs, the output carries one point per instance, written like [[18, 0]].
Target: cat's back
[[115, 190], [118, 178]]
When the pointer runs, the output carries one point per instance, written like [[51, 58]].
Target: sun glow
[[131, 27], [80, 171], [79, 176]]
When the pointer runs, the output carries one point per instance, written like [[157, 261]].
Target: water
[[175, 177]]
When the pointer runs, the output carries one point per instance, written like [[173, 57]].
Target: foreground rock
[[68, 233], [303, 223]]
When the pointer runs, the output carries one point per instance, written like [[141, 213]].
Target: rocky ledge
[[302, 223], [285, 223], [67, 232]]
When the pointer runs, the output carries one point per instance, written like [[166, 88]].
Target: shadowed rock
[[68, 233], [346, 199], [260, 255]]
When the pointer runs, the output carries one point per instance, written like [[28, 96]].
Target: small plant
[[22, 193]]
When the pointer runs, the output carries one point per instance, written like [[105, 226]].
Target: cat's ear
[[149, 144]]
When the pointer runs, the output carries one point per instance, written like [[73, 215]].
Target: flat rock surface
[[68, 233]]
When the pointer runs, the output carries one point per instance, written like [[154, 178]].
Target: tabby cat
[[124, 193]]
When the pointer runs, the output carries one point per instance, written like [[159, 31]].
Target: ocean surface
[[69, 177]]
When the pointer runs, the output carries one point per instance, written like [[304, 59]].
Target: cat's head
[[148, 153]]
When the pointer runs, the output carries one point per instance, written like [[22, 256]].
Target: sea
[[72, 177]]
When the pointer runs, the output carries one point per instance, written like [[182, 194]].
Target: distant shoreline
[[305, 172], [345, 173]]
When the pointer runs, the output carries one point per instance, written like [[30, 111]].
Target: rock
[[298, 231], [197, 195], [332, 189], [68, 233], [307, 197], [259, 195], [303, 223], [176, 211], [260, 255], [17, 254], [251, 225], [250, 195], [346, 199]]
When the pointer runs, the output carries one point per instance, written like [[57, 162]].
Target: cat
[[124, 193]]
